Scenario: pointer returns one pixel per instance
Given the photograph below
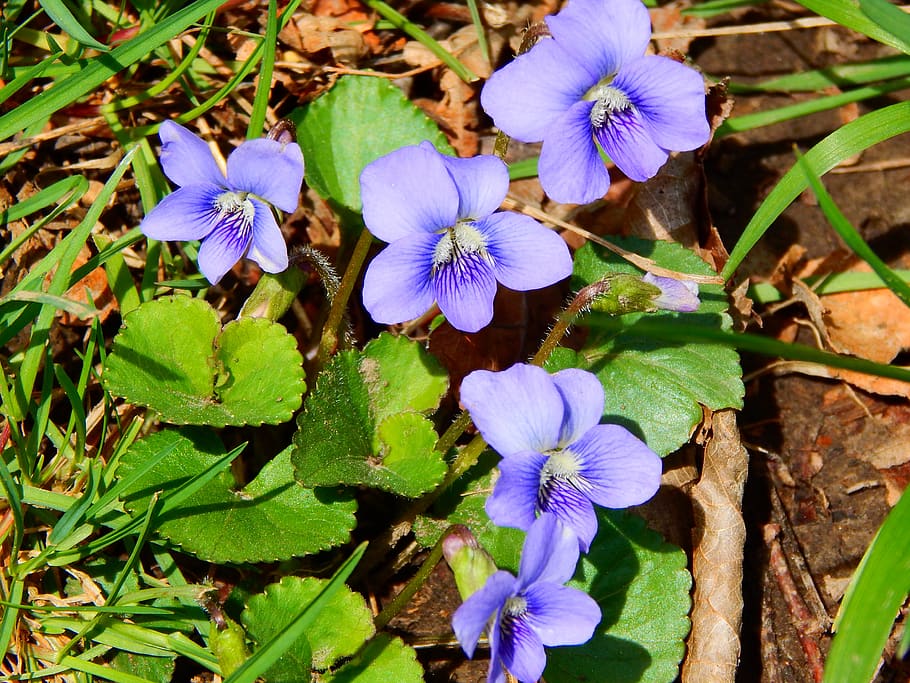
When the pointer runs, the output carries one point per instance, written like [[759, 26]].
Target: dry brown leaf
[[717, 557], [309, 34], [670, 19], [873, 324]]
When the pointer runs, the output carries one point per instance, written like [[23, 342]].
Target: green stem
[[339, 303], [389, 611]]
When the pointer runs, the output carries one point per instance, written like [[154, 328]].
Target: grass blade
[[878, 588], [851, 237], [62, 16], [403, 23], [843, 143], [848, 13], [264, 87], [101, 68], [269, 653]]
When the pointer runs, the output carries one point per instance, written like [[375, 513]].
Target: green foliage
[[845, 142], [364, 423], [271, 518], [654, 387], [338, 134], [250, 372]]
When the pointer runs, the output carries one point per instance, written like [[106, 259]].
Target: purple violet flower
[[675, 295], [446, 242], [555, 456], [592, 81], [228, 214], [535, 609]]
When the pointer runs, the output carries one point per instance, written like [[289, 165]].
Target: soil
[[827, 458]]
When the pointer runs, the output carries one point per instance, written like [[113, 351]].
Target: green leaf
[[173, 356], [272, 518], [653, 387], [338, 134], [400, 375], [340, 632], [383, 659], [364, 422], [876, 592], [270, 652], [463, 503], [642, 586], [155, 669]]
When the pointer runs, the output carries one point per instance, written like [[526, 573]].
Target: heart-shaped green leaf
[[654, 387], [383, 659], [338, 134], [272, 518], [642, 586], [173, 356], [364, 423], [342, 627]]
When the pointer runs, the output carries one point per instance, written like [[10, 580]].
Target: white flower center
[[459, 241], [560, 465], [607, 101], [235, 205]]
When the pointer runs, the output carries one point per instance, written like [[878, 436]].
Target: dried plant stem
[[646, 264], [404, 597]]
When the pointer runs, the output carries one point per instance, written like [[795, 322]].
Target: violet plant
[[368, 427], [229, 214], [555, 456], [591, 85], [448, 242], [523, 614]]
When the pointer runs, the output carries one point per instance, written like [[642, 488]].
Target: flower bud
[[470, 563]]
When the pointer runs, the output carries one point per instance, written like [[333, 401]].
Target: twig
[[639, 261]]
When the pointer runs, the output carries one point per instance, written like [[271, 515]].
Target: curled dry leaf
[[717, 557]]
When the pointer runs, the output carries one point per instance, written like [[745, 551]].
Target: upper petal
[[583, 397], [516, 410], [188, 213], [224, 246], [529, 93], [465, 290], [571, 171], [408, 191], [602, 34], [525, 254], [268, 247], [626, 139], [620, 468], [561, 615], [185, 158], [397, 285], [549, 554], [268, 169], [671, 99], [471, 618], [482, 183]]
